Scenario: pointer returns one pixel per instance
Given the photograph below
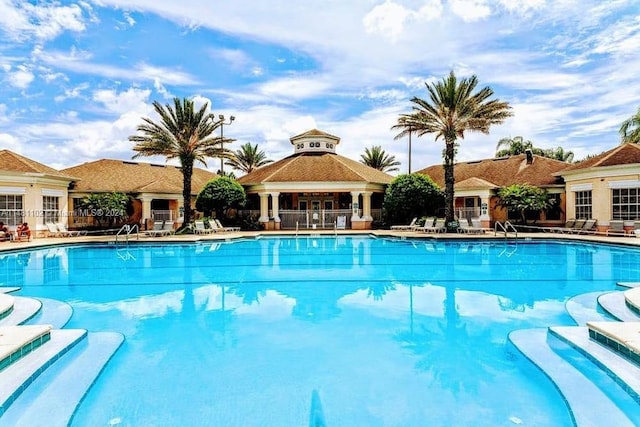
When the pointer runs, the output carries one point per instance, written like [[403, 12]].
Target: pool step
[[53, 397], [21, 373], [6, 305], [584, 308], [623, 372], [18, 341], [53, 312], [589, 404], [632, 300], [614, 304], [23, 309]]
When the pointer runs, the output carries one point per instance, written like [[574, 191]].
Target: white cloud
[[21, 78], [286, 89], [470, 10], [132, 99], [387, 19], [42, 21]]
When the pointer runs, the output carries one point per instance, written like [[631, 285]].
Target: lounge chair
[[341, 222], [62, 228], [53, 231], [407, 227], [616, 228], [440, 226], [568, 225], [200, 228], [163, 228], [223, 228], [577, 226], [589, 227], [466, 227]]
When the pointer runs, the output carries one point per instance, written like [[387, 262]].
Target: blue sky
[[78, 76]]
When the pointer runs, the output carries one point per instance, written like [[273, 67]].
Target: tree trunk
[[187, 172], [449, 180]]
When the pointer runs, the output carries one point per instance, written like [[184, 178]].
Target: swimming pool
[[364, 331]]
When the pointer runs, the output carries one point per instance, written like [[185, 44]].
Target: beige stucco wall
[[32, 189], [600, 183]]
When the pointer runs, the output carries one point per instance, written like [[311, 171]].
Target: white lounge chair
[[62, 228], [616, 228], [163, 228], [341, 222], [53, 231], [223, 228], [407, 227], [440, 226], [202, 229], [466, 227]]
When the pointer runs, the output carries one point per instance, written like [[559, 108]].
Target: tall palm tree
[[182, 133], [248, 158], [377, 158], [630, 129], [559, 154], [452, 109], [512, 146]]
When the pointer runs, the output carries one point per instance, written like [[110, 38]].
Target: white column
[[366, 206], [355, 206], [275, 205], [264, 207]]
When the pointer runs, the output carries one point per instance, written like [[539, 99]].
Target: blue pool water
[[360, 331]]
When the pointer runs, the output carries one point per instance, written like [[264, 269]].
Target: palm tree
[[559, 154], [182, 133], [377, 158], [453, 108], [248, 158], [512, 146], [630, 129]]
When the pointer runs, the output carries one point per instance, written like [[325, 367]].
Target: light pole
[[222, 123]]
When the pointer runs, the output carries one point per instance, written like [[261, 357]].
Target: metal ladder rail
[[505, 228], [127, 230]]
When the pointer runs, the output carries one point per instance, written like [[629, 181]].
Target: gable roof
[[316, 167], [108, 175], [13, 162], [624, 154], [500, 172]]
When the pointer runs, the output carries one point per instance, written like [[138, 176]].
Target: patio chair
[[440, 226], [589, 227], [577, 226], [568, 225], [220, 226], [468, 228], [407, 227], [200, 228], [341, 222], [62, 228], [163, 228], [53, 231], [616, 228]]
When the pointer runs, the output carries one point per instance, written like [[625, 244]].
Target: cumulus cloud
[[42, 21], [21, 77], [470, 10]]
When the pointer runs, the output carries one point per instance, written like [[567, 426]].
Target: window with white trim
[[584, 204], [625, 203], [11, 209], [50, 209]]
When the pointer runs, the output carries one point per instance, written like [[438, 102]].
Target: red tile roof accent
[[503, 171], [316, 167], [624, 154], [108, 175], [10, 161]]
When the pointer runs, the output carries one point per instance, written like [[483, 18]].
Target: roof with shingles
[[624, 154], [108, 175], [314, 132], [316, 167], [503, 171], [13, 162]]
